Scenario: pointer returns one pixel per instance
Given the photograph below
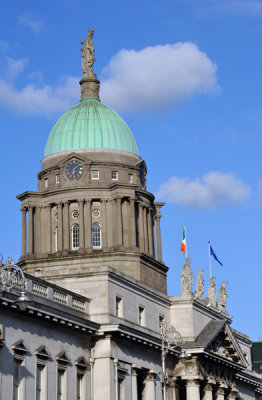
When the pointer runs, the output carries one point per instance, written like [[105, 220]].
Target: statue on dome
[[222, 298], [199, 285], [88, 56], [187, 279], [212, 294]]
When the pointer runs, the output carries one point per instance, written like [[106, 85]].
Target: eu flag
[[214, 255]]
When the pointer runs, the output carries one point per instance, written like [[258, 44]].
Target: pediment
[[42, 352], [19, 346], [81, 362], [74, 156], [226, 346], [63, 357]]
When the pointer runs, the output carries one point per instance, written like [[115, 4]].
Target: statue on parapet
[[211, 294], [187, 279], [222, 298], [88, 56], [199, 285]]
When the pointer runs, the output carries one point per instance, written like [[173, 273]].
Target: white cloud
[[15, 67], [155, 78], [44, 101], [34, 23], [214, 190]]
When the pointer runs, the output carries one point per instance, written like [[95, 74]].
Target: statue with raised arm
[[222, 298], [186, 279], [88, 56], [212, 294], [199, 285]]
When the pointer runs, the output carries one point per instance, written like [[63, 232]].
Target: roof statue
[[211, 294], [88, 56], [222, 298], [199, 285], [89, 83], [187, 279]]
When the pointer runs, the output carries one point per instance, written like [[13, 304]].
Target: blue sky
[[186, 77]]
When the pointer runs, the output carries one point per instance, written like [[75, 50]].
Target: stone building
[[91, 252]]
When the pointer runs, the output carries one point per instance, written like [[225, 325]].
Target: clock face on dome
[[74, 169]]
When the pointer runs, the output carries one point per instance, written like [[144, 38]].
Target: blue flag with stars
[[214, 255]]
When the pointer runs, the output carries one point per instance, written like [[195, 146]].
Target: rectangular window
[[141, 316], [57, 178], [119, 306], [46, 183], [94, 174], [114, 175], [39, 381], [60, 384], [79, 385], [130, 178], [17, 379], [121, 388]]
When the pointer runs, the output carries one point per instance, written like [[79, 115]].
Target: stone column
[[141, 228], [132, 222], [66, 227], [104, 225], [208, 395], [154, 238], [174, 388], [88, 225], [119, 221], [81, 225], [24, 233], [150, 232], [48, 229], [30, 230], [192, 389], [111, 223], [145, 228], [220, 394], [149, 392], [158, 233], [134, 382], [60, 227]]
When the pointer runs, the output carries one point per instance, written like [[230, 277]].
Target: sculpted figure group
[[211, 300]]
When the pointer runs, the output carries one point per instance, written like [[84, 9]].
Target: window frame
[[75, 239], [116, 175], [141, 315], [92, 171], [94, 246]]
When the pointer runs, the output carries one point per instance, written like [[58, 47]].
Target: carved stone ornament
[[187, 279], [223, 347], [222, 298], [211, 294], [199, 285]]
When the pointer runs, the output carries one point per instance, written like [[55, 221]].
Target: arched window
[[96, 235], [75, 236]]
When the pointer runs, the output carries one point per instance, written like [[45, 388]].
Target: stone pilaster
[[174, 388], [158, 232], [30, 230], [88, 225], [81, 225], [24, 231], [149, 392], [134, 382]]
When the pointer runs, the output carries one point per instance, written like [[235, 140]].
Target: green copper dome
[[90, 125]]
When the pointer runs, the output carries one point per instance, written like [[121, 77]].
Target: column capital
[[103, 201], [192, 382], [220, 390], [60, 204], [23, 209], [30, 207], [81, 202], [208, 387], [151, 375]]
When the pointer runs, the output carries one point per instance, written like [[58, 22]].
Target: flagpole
[[209, 257], [186, 240]]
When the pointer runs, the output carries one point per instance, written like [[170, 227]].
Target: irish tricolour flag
[[183, 244]]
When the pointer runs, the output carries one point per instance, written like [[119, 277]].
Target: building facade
[[91, 252]]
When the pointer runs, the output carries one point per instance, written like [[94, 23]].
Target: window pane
[[39, 380], [16, 378], [60, 376], [96, 235], [79, 379], [75, 236]]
